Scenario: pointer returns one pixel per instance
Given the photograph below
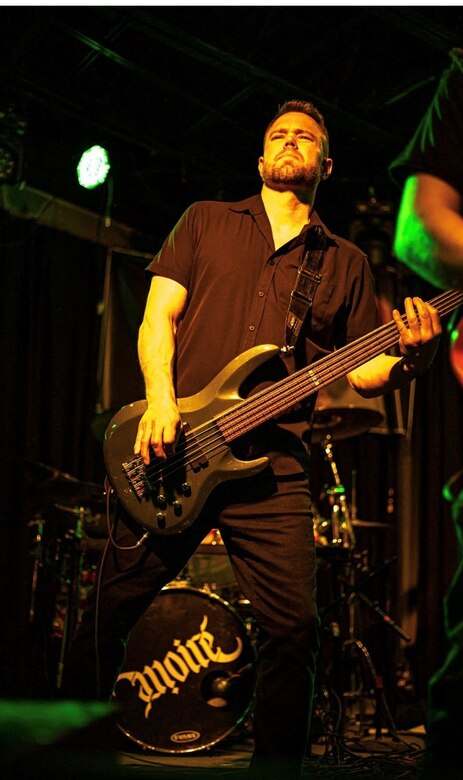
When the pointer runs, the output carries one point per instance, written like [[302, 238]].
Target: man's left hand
[[419, 338]]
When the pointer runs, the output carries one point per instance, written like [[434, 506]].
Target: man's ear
[[327, 167], [260, 163]]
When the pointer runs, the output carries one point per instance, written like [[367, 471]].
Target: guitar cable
[[109, 491], [110, 525]]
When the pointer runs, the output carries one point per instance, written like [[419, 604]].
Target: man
[[429, 239], [222, 284]]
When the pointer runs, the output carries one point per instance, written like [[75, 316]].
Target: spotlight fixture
[[93, 167]]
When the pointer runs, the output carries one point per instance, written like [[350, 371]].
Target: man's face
[[293, 153]]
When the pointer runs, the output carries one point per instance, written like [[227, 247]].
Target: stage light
[[93, 167]]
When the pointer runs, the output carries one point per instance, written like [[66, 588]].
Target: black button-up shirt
[[239, 289]]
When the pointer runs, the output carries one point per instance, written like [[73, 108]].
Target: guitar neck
[[283, 395]]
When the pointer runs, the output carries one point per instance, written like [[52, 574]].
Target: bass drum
[[210, 569], [188, 677]]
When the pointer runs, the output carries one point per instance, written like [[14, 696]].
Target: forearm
[[157, 337], [429, 233], [156, 354], [380, 375], [160, 424]]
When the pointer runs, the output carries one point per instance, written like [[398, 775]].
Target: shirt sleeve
[[175, 259], [437, 145]]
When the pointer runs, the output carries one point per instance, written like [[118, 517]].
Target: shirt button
[[261, 294], [251, 327]]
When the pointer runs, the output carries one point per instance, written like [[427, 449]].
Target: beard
[[290, 172]]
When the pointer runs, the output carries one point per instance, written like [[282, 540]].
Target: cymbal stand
[[354, 656], [38, 523], [342, 530], [343, 535], [72, 571]]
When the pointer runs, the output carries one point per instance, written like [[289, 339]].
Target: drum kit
[[68, 533], [189, 674], [190, 658]]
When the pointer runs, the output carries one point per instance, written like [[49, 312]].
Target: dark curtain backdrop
[[51, 288], [53, 380]]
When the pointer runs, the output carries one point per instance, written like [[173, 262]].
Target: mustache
[[292, 152], [302, 176]]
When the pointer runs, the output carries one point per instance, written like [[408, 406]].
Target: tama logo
[[185, 736]]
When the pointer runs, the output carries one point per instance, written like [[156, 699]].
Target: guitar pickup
[[199, 461]]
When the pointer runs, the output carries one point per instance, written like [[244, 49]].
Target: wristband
[[408, 371]]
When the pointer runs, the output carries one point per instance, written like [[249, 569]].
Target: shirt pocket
[[322, 313]]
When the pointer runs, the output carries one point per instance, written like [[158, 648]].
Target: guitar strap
[[307, 281]]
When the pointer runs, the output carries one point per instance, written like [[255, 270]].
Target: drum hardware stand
[[343, 535], [71, 578], [350, 593], [376, 687], [342, 531], [38, 617], [41, 606], [38, 523]]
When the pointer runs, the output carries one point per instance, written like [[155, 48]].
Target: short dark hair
[[302, 107]]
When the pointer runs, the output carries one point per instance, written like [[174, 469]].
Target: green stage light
[[93, 167]]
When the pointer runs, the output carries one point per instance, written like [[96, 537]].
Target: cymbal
[[73, 510], [371, 524], [72, 493], [47, 486], [343, 422], [43, 471], [94, 523], [343, 413], [75, 492]]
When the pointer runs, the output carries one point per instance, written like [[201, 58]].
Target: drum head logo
[[185, 736], [187, 657]]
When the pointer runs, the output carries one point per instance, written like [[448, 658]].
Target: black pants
[[266, 525]]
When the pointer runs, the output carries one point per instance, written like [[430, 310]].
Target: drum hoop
[[205, 592], [192, 748]]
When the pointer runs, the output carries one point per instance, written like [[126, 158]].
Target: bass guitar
[[166, 496]]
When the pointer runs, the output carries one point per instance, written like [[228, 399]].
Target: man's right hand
[[159, 428]]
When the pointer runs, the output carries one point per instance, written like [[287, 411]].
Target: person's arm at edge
[[429, 231]]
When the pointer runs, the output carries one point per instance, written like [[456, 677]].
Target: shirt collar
[[255, 206]]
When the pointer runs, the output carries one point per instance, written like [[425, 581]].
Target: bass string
[[214, 438]]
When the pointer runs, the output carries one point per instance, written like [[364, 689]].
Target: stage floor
[[90, 746], [351, 756]]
